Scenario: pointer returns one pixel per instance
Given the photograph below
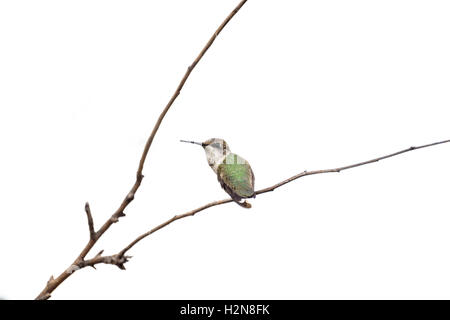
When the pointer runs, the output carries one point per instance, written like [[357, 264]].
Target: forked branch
[[52, 284], [121, 258]]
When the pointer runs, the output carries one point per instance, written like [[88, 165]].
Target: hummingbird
[[233, 172]]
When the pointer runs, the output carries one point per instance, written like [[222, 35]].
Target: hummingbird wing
[[236, 177]]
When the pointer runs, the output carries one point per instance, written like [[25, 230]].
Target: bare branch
[[309, 173], [261, 191], [45, 294], [175, 218], [121, 258]]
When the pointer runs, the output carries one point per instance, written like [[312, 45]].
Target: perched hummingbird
[[233, 172]]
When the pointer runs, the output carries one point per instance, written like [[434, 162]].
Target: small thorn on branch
[[99, 254], [139, 176], [92, 233], [115, 218]]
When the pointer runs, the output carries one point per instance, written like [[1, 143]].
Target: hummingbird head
[[216, 144], [216, 150]]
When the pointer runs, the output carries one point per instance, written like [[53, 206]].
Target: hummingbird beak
[[193, 142]]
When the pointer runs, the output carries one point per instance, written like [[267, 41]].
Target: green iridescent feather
[[236, 177]]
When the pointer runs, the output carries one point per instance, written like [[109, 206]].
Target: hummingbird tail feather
[[244, 204]]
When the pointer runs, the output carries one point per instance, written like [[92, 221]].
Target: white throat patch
[[215, 155]]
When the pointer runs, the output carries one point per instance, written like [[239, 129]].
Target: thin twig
[[52, 285], [92, 233], [175, 218], [308, 173], [121, 258]]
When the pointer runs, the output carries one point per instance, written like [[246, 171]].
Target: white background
[[290, 85]]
